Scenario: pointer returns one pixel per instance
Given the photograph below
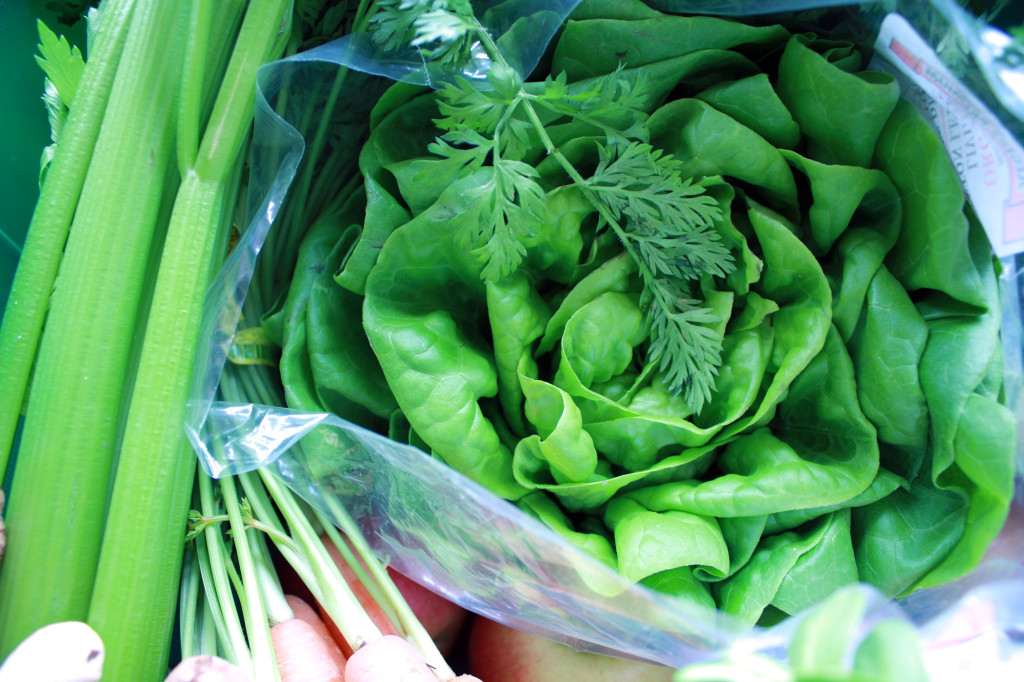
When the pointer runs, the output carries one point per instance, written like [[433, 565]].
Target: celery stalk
[[48, 230], [140, 561], [62, 474]]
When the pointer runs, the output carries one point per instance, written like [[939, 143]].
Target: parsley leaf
[[611, 103], [507, 201], [63, 65]]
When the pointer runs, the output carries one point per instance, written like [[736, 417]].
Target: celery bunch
[[99, 334]]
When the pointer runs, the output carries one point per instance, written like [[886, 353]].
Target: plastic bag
[[449, 533]]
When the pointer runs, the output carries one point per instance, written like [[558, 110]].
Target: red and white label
[[987, 157]]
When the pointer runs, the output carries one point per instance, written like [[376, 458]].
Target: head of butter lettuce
[[857, 428]]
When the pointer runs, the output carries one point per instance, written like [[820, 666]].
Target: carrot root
[[388, 659], [207, 669], [303, 611], [303, 655]]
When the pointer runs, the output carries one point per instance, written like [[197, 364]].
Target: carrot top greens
[[663, 221]]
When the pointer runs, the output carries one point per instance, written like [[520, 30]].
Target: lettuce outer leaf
[[757, 585], [647, 542], [887, 350], [839, 113], [712, 143], [437, 366], [821, 451], [599, 46], [933, 249], [753, 102]]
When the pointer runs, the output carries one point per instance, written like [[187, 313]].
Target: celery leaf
[[61, 62]]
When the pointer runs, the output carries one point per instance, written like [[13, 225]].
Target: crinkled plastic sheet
[[459, 539]]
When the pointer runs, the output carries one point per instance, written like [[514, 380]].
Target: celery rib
[[48, 229], [73, 418], [140, 561]]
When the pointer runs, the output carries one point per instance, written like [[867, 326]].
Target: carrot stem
[[391, 599], [338, 599], [253, 607], [277, 607], [214, 565], [188, 605]]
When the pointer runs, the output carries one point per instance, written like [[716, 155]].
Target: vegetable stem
[[37, 268], [212, 556], [277, 607], [157, 464], [58, 502], [253, 608], [391, 600], [338, 600], [188, 605]]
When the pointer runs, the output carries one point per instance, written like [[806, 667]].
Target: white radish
[[70, 651]]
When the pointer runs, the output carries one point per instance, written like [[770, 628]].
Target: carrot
[[388, 659], [207, 669], [302, 654], [372, 609], [303, 611]]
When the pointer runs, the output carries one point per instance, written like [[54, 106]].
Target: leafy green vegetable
[[829, 644], [63, 65], [663, 221], [710, 304], [135, 210], [61, 62]]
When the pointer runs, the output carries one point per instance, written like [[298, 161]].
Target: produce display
[[701, 298]]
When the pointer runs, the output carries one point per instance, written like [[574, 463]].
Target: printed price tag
[[988, 159]]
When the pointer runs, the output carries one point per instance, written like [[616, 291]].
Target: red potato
[[498, 653], [441, 618]]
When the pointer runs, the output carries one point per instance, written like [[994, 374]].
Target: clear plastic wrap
[[461, 540]]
